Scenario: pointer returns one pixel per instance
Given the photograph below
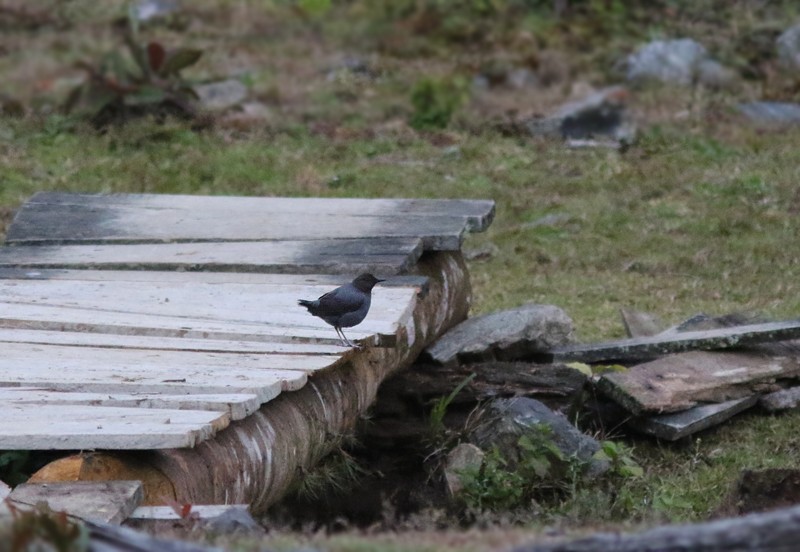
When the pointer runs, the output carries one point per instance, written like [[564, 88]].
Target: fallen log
[[776, 531], [256, 460]]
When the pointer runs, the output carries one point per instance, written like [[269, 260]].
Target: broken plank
[[236, 405], [345, 256], [657, 345], [73, 223], [681, 381], [672, 427], [103, 501], [71, 427]]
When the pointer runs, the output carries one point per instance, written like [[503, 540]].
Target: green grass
[[699, 216]]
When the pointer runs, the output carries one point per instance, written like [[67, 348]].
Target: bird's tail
[[307, 304]]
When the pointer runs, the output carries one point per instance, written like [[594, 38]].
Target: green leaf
[[146, 95], [581, 367], [180, 59], [315, 7]]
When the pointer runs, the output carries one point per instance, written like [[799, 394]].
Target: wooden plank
[[121, 370], [211, 308], [345, 256], [418, 283], [103, 501], [71, 427], [678, 382], [649, 347], [237, 406], [77, 221], [199, 512], [672, 427], [478, 214], [37, 317], [85, 339]]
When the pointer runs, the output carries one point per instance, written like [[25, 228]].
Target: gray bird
[[345, 306]]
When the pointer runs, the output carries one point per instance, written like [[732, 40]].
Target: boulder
[[503, 421], [463, 456], [771, 113], [679, 62], [218, 96], [505, 335], [788, 47]]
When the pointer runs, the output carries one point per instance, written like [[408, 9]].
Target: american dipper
[[345, 306]]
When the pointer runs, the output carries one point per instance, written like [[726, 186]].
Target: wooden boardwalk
[[145, 322]]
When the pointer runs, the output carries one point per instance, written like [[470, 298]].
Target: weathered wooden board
[[86, 339], [653, 346], [236, 405], [255, 311], [167, 513], [76, 427], [122, 370], [345, 256], [678, 382], [476, 214], [77, 218], [330, 281], [103, 501], [672, 427]]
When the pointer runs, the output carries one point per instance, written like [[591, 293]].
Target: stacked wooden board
[[151, 322]]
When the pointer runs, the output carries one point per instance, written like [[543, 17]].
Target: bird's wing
[[342, 300]]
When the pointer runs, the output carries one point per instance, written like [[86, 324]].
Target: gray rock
[[771, 113], [481, 253], [713, 74], [462, 457], [522, 78], [504, 421], [233, 521], [503, 335], [668, 61], [218, 96], [145, 10], [788, 47], [601, 114], [785, 399]]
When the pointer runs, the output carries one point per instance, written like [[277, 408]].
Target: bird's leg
[[343, 341], [349, 343]]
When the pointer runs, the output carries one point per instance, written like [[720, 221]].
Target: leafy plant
[[435, 100], [620, 458], [439, 409], [13, 465], [43, 529], [146, 80], [500, 484], [492, 485]]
